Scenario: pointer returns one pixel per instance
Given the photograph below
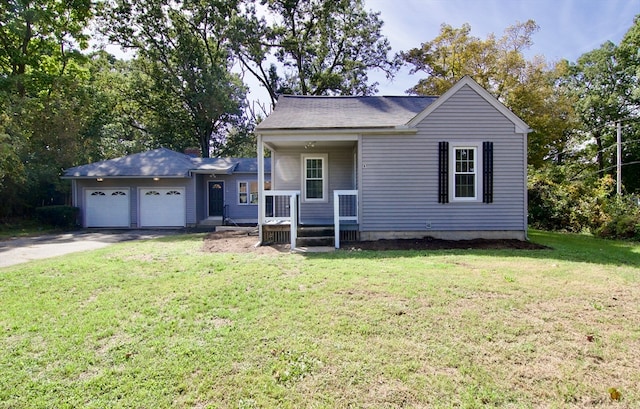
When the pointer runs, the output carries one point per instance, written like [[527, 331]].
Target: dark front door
[[216, 199]]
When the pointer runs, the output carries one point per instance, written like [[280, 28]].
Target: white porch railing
[[281, 207], [345, 208]]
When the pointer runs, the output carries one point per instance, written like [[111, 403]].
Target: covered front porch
[[314, 197]]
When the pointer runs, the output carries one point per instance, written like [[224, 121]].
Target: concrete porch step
[[325, 241], [315, 231], [315, 236]]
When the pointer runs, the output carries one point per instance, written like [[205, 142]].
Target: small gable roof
[[163, 162], [323, 112], [466, 81], [347, 113]]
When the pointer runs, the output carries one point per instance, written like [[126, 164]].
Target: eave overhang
[[337, 133], [125, 177]]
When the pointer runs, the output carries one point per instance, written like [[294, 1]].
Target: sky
[[568, 28]]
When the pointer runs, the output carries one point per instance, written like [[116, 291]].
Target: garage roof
[[163, 162]]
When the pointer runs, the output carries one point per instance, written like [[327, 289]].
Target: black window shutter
[[443, 172], [487, 172]]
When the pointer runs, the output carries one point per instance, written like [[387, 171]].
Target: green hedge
[[65, 217]]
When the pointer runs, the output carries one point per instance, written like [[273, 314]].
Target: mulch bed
[[429, 243]]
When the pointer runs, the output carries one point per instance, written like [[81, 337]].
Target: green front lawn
[[159, 324]]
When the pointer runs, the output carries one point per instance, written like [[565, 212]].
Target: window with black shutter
[[461, 172]]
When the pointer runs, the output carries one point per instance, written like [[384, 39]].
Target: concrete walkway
[[22, 250]]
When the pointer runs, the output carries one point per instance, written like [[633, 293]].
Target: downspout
[[526, 182], [262, 199], [76, 201]]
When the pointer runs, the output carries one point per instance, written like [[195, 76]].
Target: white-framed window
[[465, 163], [315, 178], [248, 191], [465, 172], [465, 178]]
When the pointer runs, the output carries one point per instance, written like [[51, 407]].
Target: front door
[[216, 199]]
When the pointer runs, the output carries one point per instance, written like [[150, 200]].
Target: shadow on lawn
[[554, 246]]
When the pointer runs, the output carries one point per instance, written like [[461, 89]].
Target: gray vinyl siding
[[287, 175], [201, 196], [400, 173], [235, 211], [134, 185]]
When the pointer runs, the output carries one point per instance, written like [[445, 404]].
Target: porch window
[[248, 193], [464, 181], [314, 177]]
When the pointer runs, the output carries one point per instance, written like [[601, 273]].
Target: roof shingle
[[163, 162], [325, 112]]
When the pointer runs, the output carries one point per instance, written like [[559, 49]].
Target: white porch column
[[293, 212], [261, 197], [336, 218]]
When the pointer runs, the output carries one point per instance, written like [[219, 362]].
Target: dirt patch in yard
[[231, 241], [239, 241]]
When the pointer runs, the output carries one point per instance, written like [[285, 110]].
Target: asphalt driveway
[[21, 250]]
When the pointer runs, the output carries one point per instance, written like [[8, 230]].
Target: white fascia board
[[331, 134], [125, 177]]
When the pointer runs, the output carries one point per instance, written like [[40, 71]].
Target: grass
[[23, 228], [161, 324]]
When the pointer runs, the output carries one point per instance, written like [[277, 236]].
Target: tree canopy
[[527, 87], [181, 50], [321, 47], [182, 85]]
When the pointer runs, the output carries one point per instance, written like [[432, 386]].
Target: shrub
[[558, 203], [65, 217], [622, 219]]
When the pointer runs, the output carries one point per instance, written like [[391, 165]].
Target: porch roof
[[343, 112]]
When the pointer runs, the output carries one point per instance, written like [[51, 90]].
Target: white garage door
[[107, 207], [162, 207]]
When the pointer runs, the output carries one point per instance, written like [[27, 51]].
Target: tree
[[578, 192], [528, 88], [604, 89], [496, 64], [41, 97], [114, 128], [182, 52], [322, 47], [548, 108], [11, 167], [453, 54], [33, 32]]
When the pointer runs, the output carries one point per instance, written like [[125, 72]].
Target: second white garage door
[[162, 207]]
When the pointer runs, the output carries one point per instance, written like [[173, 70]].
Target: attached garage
[[161, 188], [107, 207], [162, 207]]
